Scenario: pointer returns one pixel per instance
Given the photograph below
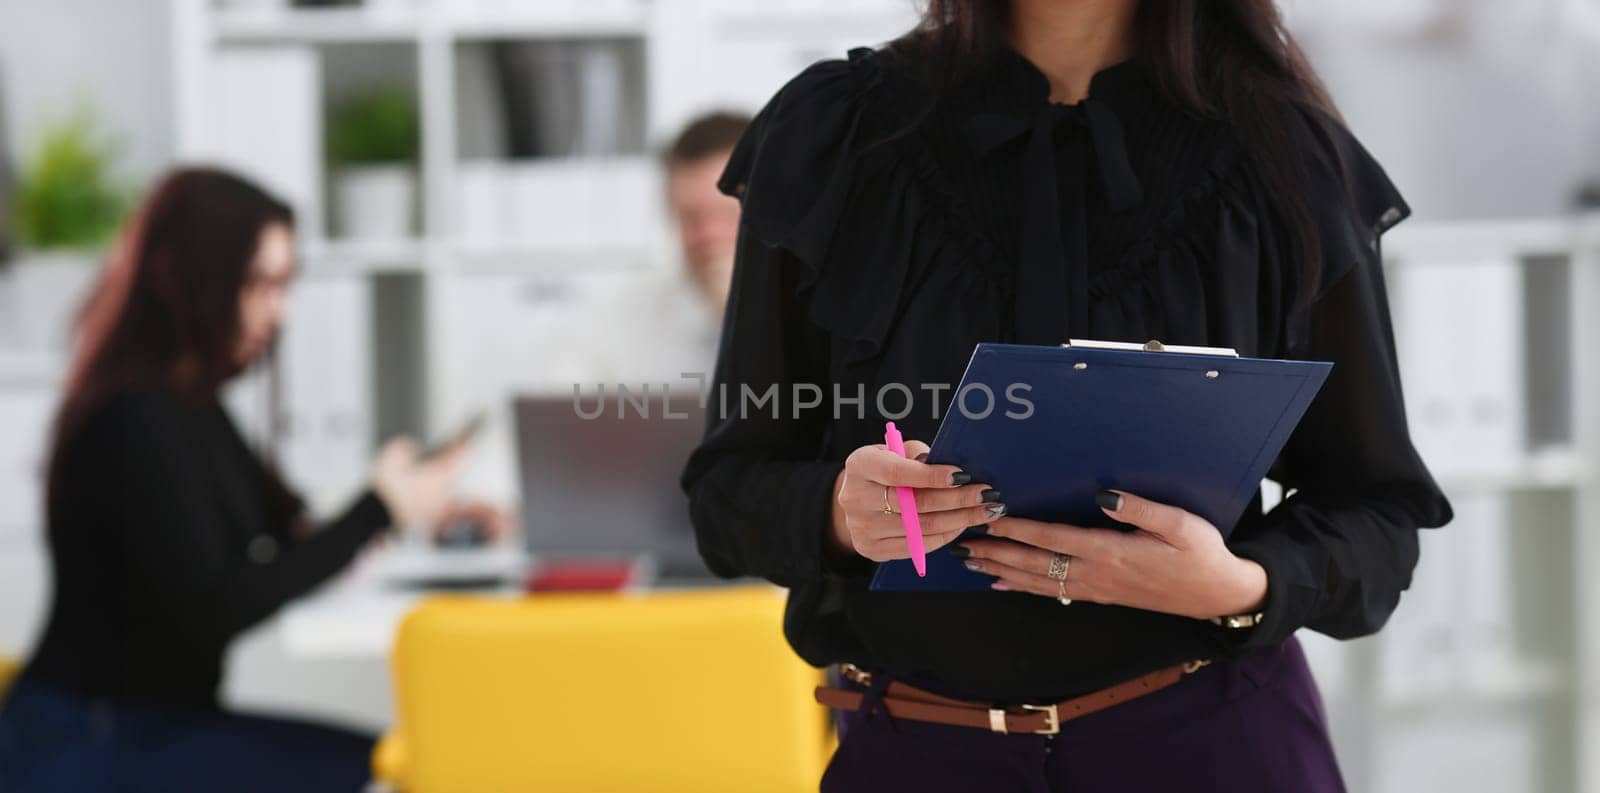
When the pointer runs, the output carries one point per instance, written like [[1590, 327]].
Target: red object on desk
[[598, 575]]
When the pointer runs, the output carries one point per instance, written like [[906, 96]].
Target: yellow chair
[[673, 691], [8, 672]]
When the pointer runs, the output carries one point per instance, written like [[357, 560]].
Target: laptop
[[600, 479]]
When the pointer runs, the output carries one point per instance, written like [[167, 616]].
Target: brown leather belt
[[902, 701]]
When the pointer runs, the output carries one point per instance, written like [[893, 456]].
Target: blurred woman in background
[[168, 535]]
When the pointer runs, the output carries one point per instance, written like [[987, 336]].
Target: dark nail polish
[[960, 478], [1108, 500], [922, 458], [991, 495], [981, 528], [997, 510], [960, 551]]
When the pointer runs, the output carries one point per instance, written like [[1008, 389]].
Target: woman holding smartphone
[[1032, 171], [169, 536]]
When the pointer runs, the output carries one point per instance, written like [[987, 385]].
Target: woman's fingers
[[894, 547], [1010, 554], [1020, 579], [879, 464], [455, 453], [1167, 521], [873, 493], [1058, 537], [939, 500], [946, 500], [880, 526], [881, 537], [398, 453], [875, 496]]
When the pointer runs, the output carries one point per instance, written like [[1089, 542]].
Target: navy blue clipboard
[[1195, 430]]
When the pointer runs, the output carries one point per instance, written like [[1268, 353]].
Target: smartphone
[[464, 433]]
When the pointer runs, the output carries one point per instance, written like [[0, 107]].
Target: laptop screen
[[601, 477]]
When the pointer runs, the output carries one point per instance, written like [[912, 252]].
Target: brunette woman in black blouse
[[168, 535], [1032, 172]]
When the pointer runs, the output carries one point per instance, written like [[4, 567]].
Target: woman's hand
[[415, 490], [947, 501], [1176, 562]]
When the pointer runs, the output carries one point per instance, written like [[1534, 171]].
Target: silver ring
[[1059, 563], [887, 510]]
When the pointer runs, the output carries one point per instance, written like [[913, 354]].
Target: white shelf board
[[360, 25], [341, 257], [344, 257], [1514, 683], [764, 23], [1474, 240], [1551, 468], [314, 26], [620, 25], [511, 256]]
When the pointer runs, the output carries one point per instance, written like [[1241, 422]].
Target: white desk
[[357, 615]]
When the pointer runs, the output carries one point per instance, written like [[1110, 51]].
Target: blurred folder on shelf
[[267, 124], [1459, 326]]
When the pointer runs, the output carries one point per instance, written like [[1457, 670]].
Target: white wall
[[1476, 109]]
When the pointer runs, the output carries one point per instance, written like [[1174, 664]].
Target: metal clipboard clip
[[1152, 345]]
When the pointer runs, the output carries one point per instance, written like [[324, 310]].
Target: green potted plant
[[66, 198], [65, 208], [372, 149]]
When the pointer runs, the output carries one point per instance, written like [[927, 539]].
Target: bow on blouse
[[1055, 249]]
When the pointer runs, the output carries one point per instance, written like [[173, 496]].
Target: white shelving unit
[[575, 220], [407, 276], [1586, 517], [1429, 697]]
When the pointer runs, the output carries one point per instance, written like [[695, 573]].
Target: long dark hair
[[165, 310], [1231, 60]]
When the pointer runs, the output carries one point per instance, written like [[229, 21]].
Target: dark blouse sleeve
[[1342, 546], [760, 492], [760, 495], [791, 169], [174, 547]]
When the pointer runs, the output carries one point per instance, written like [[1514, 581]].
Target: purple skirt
[[1253, 724]]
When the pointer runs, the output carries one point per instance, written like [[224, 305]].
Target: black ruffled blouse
[[886, 231]]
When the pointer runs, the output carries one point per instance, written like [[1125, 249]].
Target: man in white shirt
[[645, 328], [707, 222], [667, 323]]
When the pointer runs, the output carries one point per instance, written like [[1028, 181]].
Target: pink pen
[[908, 506]]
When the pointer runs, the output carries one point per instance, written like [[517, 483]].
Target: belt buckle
[[1052, 718], [856, 674]]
